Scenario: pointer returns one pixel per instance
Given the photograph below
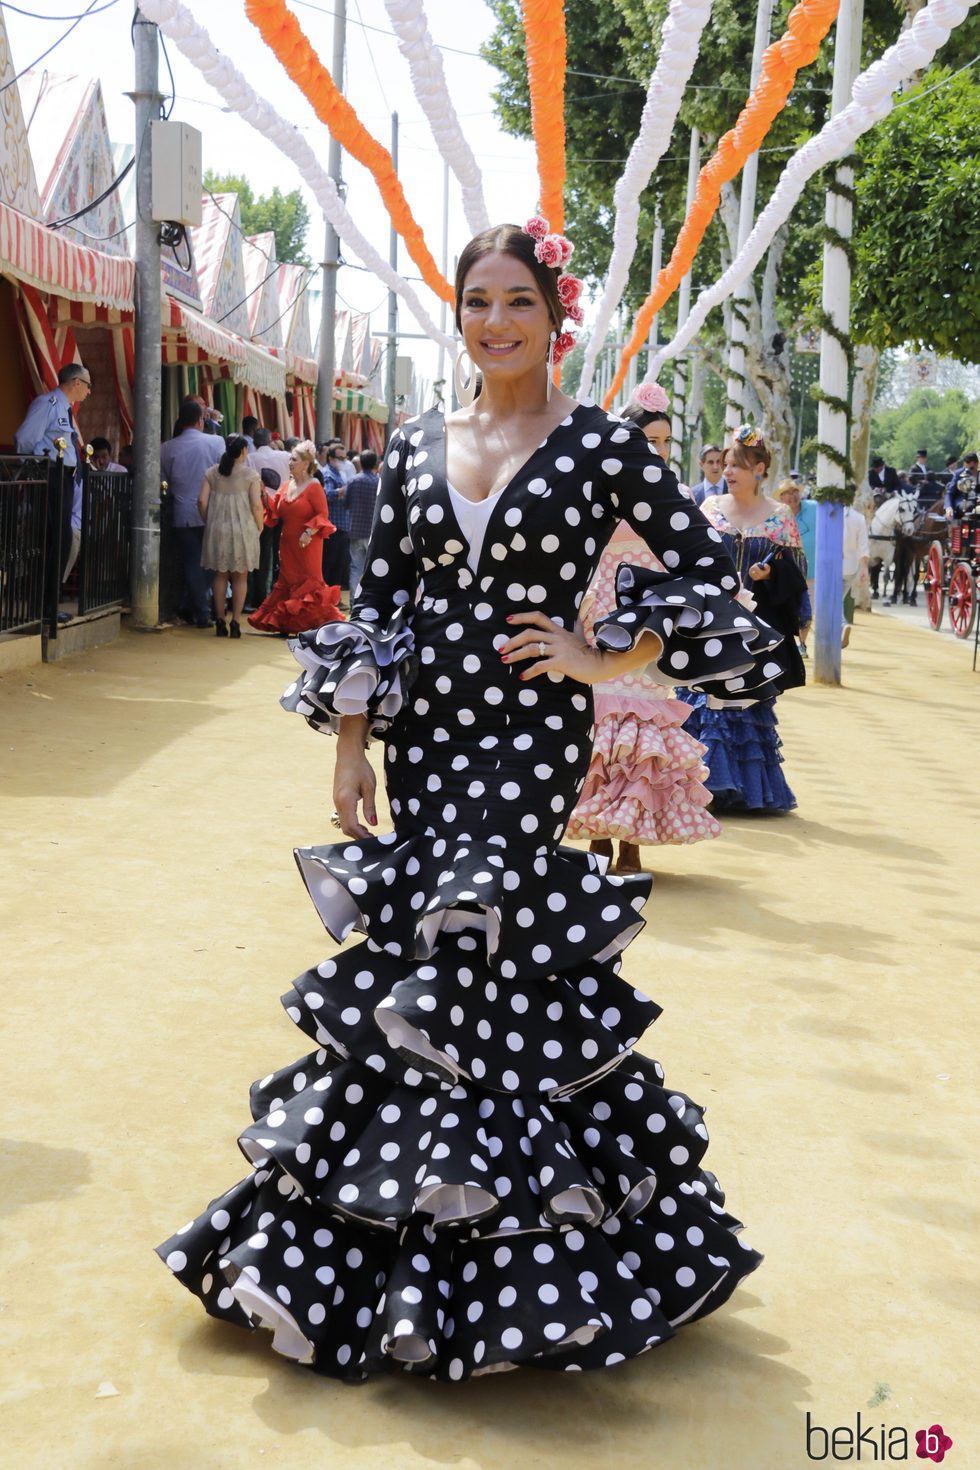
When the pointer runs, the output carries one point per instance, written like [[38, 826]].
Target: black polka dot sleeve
[[710, 642], [366, 665]]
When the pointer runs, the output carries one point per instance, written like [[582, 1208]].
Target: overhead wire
[[91, 10]]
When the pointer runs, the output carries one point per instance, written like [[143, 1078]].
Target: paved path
[[818, 976]]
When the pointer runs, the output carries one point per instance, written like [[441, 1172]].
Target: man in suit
[[709, 463], [921, 462], [50, 417], [883, 477], [959, 484]]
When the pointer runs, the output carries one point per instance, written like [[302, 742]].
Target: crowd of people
[[275, 525]]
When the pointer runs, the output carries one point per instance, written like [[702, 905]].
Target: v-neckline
[[498, 495]]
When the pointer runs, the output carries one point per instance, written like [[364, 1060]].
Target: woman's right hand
[[354, 781]]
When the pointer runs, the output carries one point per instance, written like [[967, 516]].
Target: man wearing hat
[[921, 462], [957, 490], [883, 477]]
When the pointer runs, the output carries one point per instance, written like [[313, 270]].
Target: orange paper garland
[[544, 33], [807, 26], [283, 34]]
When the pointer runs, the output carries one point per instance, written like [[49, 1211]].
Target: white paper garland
[[179, 26], [871, 100], [680, 44], [429, 81]]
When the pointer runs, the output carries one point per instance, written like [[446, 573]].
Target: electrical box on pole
[[403, 377], [175, 151]]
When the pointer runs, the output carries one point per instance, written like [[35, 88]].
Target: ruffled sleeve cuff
[[321, 525], [353, 668], [710, 643]]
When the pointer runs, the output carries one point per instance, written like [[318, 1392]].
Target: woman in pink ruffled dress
[[645, 784]]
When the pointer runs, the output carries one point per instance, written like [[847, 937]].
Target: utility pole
[[145, 534], [656, 261], [441, 370], [391, 376], [831, 422], [735, 407], [678, 420], [331, 252]]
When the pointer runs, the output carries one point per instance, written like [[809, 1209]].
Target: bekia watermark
[[872, 1442]]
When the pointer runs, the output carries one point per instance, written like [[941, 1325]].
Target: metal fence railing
[[103, 556], [23, 542]]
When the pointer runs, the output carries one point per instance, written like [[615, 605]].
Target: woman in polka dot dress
[[645, 783], [472, 1169], [743, 746]]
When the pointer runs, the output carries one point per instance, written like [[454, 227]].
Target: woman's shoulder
[[782, 521]]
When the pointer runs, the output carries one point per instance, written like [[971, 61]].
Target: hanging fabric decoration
[[807, 26], [178, 25], [429, 81], [283, 34], [871, 100], [680, 43], [544, 32]]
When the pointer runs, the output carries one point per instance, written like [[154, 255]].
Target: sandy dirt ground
[[818, 974]]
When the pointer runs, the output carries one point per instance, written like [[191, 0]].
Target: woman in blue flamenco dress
[[745, 766], [472, 1169]]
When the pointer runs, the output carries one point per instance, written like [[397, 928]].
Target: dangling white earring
[[465, 391], [551, 364]]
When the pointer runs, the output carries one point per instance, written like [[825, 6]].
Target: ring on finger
[[541, 650], [335, 820]]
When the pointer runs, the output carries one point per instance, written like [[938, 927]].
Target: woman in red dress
[[300, 598]]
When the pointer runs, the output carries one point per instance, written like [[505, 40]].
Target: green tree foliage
[[916, 277], [284, 214], [945, 423]]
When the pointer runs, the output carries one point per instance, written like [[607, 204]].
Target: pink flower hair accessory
[[536, 227], [652, 398], [563, 344]]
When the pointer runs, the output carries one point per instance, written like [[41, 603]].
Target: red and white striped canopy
[[40, 257]]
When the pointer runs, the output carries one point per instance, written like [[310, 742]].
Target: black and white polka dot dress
[[471, 1168]]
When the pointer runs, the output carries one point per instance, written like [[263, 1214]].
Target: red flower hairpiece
[[556, 251]]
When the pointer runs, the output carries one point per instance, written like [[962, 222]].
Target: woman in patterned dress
[[645, 783], [761, 535], [472, 1169]]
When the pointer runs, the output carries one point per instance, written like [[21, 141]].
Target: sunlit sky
[[377, 82]]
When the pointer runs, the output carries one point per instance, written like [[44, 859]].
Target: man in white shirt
[[264, 457], [856, 552]]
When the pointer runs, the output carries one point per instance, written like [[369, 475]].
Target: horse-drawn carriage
[[952, 569]]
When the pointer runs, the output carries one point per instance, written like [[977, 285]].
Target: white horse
[[896, 514]]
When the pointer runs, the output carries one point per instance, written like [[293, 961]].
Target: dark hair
[[233, 448], [953, 459], [971, 456], [249, 422], [877, 462], [368, 460], [98, 444], [290, 443], [261, 437], [642, 417], [510, 240], [189, 415]]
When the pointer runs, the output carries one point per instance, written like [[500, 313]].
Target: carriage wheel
[[962, 600], [935, 597]]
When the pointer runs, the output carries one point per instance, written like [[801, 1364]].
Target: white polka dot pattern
[[472, 1168]]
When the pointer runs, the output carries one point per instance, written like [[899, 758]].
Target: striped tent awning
[[301, 369], [39, 257], [189, 337], [355, 401]]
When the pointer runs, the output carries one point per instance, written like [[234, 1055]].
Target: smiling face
[[791, 497], [504, 318]]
